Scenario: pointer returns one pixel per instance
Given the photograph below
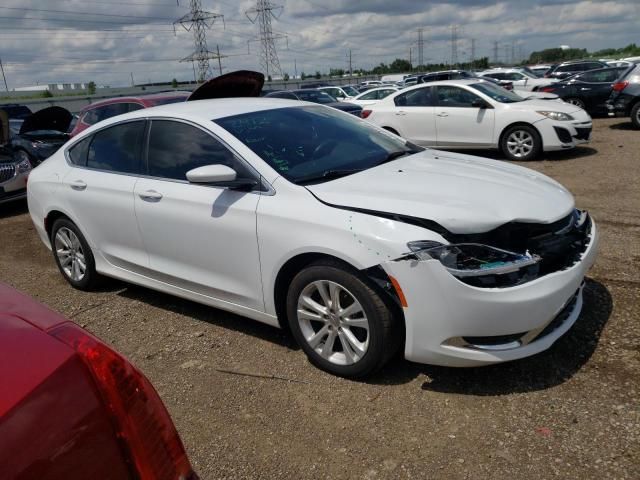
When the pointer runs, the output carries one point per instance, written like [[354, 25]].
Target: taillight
[[547, 89], [365, 113], [620, 86], [141, 421]]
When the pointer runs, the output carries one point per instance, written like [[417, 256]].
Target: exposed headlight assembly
[[479, 265], [561, 117], [23, 166]]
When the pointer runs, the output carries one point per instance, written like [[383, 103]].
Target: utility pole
[[350, 65], [495, 52], [3, 76], [420, 47], [263, 13], [295, 69], [473, 51], [506, 52], [454, 45], [410, 58], [199, 21], [219, 59], [132, 82]]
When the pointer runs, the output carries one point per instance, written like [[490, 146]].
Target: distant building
[[53, 87]]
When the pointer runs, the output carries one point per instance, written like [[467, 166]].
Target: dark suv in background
[[625, 96], [567, 69]]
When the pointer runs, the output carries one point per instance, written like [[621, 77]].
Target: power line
[[69, 12]]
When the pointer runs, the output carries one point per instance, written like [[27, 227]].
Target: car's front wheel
[[73, 255], [635, 115], [521, 142], [341, 323]]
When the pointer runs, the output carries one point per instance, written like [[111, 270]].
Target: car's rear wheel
[[521, 142], [340, 322], [575, 101], [635, 115], [73, 255]]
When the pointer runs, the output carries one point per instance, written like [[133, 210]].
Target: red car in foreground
[[72, 408], [117, 106]]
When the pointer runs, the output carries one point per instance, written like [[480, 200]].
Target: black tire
[[575, 101], [635, 115], [536, 145], [383, 334], [91, 278]]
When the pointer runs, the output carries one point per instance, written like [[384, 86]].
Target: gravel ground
[[571, 412]]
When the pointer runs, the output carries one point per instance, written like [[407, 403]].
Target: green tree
[[47, 93], [318, 75], [302, 76], [269, 78], [174, 83], [400, 65], [286, 77], [91, 87]]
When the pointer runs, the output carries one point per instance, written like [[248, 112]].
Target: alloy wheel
[[576, 102], [333, 322], [520, 143], [70, 254]]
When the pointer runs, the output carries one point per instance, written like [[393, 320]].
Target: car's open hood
[[243, 83], [52, 118], [462, 193]]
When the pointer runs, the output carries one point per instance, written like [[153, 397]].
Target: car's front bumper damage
[[452, 323]]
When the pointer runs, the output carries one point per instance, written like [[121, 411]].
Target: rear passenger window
[[175, 148], [117, 148], [78, 153], [421, 97]]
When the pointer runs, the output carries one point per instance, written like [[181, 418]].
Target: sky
[[109, 42]]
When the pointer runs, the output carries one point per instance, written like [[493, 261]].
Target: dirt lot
[[572, 412]]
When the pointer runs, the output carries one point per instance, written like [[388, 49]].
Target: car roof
[[139, 98]]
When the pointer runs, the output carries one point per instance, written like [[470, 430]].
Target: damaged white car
[[307, 218]]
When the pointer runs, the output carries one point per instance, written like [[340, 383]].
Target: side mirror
[[221, 176], [211, 174]]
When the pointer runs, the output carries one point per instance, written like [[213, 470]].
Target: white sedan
[[521, 79], [342, 93], [372, 96], [477, 114], [307, 218]]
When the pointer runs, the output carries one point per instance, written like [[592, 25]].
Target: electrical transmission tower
[[420, 47], [454, 45], [262, 14], [199, 21]]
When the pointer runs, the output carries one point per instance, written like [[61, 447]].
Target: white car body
[[226, 248], [476, 128], [521, 79], [372, 96], [338, 93]]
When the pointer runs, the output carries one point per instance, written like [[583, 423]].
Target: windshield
[[352, 92], [315, 96], [314, 144], [499, 94]]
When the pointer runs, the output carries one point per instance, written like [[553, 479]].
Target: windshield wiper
[[327, 175]]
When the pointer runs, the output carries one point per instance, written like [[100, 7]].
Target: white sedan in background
[[372, 96], [477, 114], [308, 218], [521, 79], [342, 93]]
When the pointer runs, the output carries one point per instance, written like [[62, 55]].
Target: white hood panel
[[464, 194]]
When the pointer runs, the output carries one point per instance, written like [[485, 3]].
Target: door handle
[[150, 196], [442, 114], [401, 113], [78, 185]]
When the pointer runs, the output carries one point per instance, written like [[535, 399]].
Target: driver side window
[[176, 147], [421, 97], [449, 96]]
